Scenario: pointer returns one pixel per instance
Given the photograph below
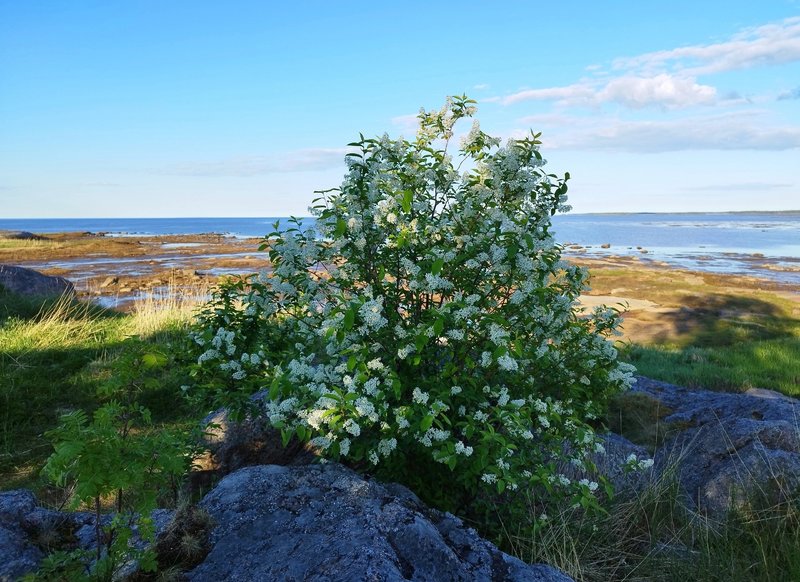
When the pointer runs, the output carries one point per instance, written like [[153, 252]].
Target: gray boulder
[[21, 235], [32, 283], [18, 554], [325, 522], [28, 531], [732, 448]]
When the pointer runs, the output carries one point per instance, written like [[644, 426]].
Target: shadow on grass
[[724, 342], [724, 320], [40, 380]]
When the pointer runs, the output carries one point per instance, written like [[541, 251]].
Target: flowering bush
[[429, 328]]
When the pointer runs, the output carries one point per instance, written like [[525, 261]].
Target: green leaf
[[426, 422], [341, 227], [274, 389], [529, 240], [408, 196], [301, 432], [452, 462], [501, 485], [349, 318], [500, 351], [152, 360], [438, 326], [351, 363], [402, 240], [437, 266], [397, 388]]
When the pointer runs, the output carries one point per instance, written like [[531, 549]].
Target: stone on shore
[[32, 283]]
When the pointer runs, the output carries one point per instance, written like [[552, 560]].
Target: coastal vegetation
[[428, 337], [82, 346]]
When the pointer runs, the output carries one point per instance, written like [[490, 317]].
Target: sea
[[760, 244]]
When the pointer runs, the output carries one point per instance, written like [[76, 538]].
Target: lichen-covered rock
[[25, 527], [734, 448], [32, 283], [18, 555], [325, 522]]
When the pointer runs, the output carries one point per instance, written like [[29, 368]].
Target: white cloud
[[769, 44], [549, 119], [579, 93], [406, 123], [669, 79], [734, 131], [663, 90], [305, 160], [480, 86], [790, 95]]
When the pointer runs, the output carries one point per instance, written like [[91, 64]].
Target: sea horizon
[[222, 216]]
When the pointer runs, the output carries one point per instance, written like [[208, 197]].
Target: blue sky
[[245, 108]]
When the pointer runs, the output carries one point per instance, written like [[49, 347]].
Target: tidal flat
[[688, 326], [115, 270]]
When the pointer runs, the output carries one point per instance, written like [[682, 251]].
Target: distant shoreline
[[770, 212], [306, 217]]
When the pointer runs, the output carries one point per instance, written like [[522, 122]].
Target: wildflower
[[419, 396], [386, 446], [506, 362], [321, 442], [462, 449], [352, 427], [375, 364]]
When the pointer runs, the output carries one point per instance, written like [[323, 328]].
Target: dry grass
[[652, 533], [169, 308]]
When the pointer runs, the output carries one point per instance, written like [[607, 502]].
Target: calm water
[[761, 244]]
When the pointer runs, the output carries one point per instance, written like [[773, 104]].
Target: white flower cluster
[[633, 463]]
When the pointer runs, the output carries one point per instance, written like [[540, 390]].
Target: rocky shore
[[115, 270]]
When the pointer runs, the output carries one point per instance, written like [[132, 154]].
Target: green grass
[[773, 364], [711, 331], [53, 358]]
